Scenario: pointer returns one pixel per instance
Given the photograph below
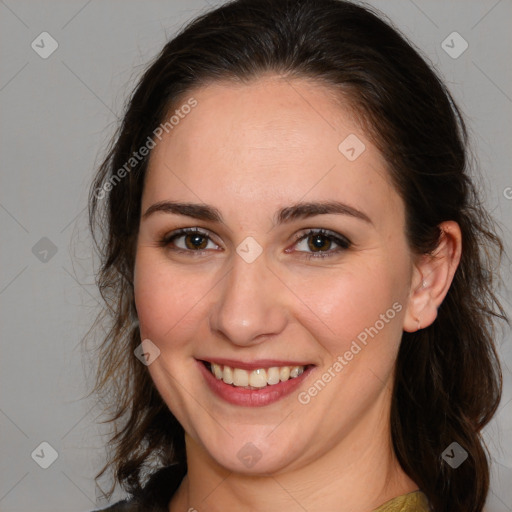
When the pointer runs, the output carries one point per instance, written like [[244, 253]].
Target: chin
[[261, 456]]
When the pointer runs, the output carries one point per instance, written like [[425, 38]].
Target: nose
[[249, 309]]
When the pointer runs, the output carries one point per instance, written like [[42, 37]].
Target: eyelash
[[343, 242]]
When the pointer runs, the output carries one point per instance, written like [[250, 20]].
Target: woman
[[298, 273]]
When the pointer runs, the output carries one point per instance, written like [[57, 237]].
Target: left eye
[[319, 243]]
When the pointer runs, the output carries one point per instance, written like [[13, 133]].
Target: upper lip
[[253, 365]]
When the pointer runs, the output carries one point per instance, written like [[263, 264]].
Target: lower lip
[[252, 397]]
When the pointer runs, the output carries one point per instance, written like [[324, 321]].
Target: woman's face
[[300, 261]]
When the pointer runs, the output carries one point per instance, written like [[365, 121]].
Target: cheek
[[352, 303], [165, 300]]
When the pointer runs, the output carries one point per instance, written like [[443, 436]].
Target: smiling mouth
[[254, 379]]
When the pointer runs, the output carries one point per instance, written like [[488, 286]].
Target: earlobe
[[432, 278], [419, 312]]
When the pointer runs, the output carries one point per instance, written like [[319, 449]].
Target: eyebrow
[[297, 211]]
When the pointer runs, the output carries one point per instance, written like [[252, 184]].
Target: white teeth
[[273, 375], [255, 379], [240, 377], [296, 371], [227, 375], [258, 378], [217, 371]]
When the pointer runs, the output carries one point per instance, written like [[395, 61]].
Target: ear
[[432, 277]]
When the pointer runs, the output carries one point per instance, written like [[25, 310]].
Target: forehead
[[271, 119], [272, 139]]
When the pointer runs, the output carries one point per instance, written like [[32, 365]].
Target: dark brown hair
[[447, 379]]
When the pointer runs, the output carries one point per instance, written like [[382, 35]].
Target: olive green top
[[158, 492], [412, 502]]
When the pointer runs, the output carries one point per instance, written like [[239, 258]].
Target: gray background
[[57, 117]]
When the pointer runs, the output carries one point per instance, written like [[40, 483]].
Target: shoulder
[[412, 502], [156, 494]]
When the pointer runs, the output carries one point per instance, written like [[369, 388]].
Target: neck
[[358, 473]]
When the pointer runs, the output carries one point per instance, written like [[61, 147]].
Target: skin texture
[[249, 150]]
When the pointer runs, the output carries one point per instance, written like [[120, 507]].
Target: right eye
[[188, 240]]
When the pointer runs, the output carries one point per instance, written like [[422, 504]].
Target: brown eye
[[195, 241], [188, 240], [319, 243]]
